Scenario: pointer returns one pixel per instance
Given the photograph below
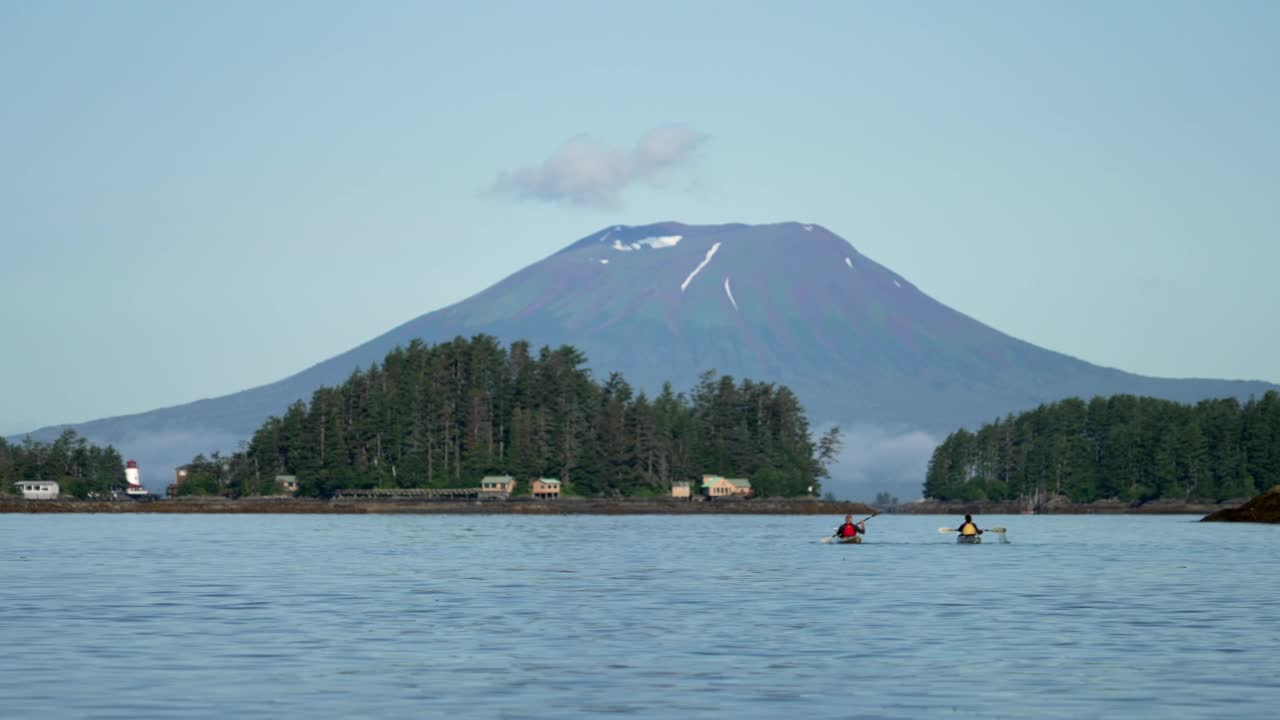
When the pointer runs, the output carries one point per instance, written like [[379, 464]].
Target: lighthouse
[[135, 488]]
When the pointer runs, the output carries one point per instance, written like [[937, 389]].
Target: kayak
[[968, 539], [856, 539]]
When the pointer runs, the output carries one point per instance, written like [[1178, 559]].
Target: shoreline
[[584, 506], [418, 506]]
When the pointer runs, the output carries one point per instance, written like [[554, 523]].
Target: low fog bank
[[165, 452], [876, 459]]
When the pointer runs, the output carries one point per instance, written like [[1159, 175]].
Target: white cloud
[[584, 173]]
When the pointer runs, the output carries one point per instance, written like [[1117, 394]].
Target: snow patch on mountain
[[848, 262], [705, 260], [729, 292], [656, 243], [897, 284]]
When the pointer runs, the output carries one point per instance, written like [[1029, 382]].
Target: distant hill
[[789, 302]]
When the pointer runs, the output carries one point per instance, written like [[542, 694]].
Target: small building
[[714, 486], [38, 489], [287, 483], [497, 486], [546, 488], [680, 489], [179, 475]]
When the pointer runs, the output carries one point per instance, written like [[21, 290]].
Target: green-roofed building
[[498, 487], [545, 488], [714, 486]]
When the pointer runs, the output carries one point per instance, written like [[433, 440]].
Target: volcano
[[791, 303]]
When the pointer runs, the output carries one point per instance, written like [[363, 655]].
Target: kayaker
[[968, 528], [850, 528]]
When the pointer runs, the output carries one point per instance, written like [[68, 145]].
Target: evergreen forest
[[446, 415], [81, 470], [1128, 448]]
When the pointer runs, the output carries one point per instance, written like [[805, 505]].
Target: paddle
[[999, 530], [829, 539]]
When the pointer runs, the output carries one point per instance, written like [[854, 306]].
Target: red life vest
[[848, 530]]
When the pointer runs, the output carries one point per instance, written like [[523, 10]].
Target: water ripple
[[688, 617]]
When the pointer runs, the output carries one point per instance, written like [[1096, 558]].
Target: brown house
[[287, 483], [497, 487], [179, 474], [546, 488], [714, 486], [680, 489]]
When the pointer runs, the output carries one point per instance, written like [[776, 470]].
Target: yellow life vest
[[968, 529]]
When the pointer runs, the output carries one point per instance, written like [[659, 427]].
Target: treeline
[[1123, 447], [80, 469], [447, 415]]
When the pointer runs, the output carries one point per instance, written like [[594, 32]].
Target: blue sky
[[197, 198]]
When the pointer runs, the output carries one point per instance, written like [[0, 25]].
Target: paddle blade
[[997, 530], [947, 530], [828, 539]]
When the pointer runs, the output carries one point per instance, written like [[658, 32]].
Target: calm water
[[746, 617]]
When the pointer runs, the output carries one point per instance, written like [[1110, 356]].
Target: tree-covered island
[[446, 415], [1134, 449]]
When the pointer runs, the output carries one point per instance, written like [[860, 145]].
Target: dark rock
[[1264, 509]]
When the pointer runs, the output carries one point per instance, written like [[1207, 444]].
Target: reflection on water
[[692, 616]]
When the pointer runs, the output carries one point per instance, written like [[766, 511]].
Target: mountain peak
[[659, 234]]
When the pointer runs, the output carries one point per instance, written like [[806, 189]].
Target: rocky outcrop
[[1264, 509]]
